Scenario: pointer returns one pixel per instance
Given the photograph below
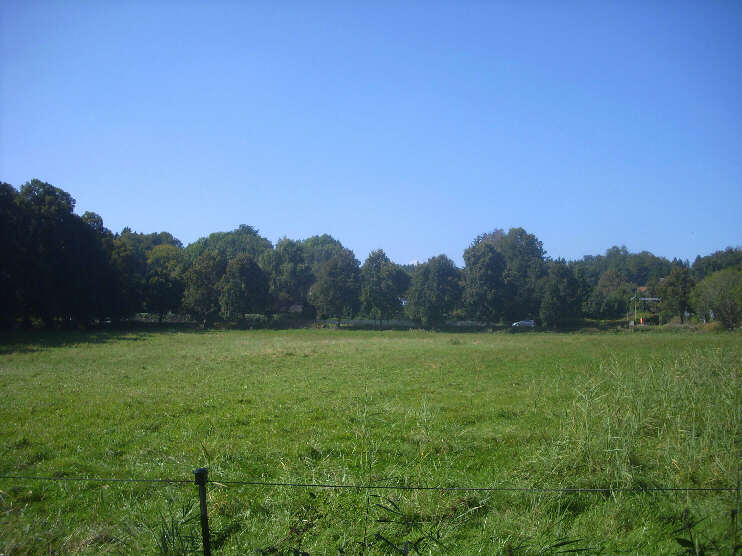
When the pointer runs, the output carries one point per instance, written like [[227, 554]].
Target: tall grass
[[639, 422], [386, 408]]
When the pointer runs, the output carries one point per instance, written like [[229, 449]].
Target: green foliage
[[560, 301], [129, 263], [163, 293], [243, 289], [638, 268], [435, 291], [94, 221], [289, 275], [675, 292], [65, 270], [61, 263], [46, 216], [484, 282], [383, 284], [201, 295], [524, 268], [164, 288], [167, 258], [643, 269], [610, 297], [148, 270], [244, 239], [147, 242], [719, 260], [10, 255], [721, 294], [336, 293], [320, 249]]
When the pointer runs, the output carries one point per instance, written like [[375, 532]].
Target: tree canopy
[[245, 239], [484, 281], [560, 298], [320, 249], [720, 295], [435, 290], [525, 265], [289, 275], [243, 289], [336, 293], [61, 269], [201, 295], [383, 284]]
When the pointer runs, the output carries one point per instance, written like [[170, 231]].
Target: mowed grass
[[534, 410]]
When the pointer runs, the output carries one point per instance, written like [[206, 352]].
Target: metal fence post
[[202, 476]]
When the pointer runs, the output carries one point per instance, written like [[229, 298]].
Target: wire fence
[[379, 486], [201, 480]]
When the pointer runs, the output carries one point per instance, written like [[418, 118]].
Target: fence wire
[[219, 482]]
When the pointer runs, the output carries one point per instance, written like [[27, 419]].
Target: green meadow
[[393, 408]]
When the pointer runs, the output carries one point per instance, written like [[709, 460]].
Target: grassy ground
[[388, 408]]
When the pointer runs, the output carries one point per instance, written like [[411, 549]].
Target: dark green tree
[[525, 266], [435, 291], [11, 252], [560, 301], [288, 273], [319, 249], [642, 269], [484, 283], [201, 295], [88, 270], [719, 260], [101, 276], [675, 292], [720, 295], [164, 287], [383, 284], [166, 257], [129, 262], [60, 260], [162, 293], [243, 289], [46, 213], [228, 245], [336, 293], [610, 297]]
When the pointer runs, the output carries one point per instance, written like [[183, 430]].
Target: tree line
[[60, 268]]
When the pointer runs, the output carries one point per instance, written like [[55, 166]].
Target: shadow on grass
[[17, 341]]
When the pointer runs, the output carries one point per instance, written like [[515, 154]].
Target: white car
[[524, 324]]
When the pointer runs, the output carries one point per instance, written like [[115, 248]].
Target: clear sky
[[407, 126]]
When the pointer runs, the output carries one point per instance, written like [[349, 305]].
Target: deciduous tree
[[10, 254], [288, 273], [524, 268], [383, 284], [245, 239], [201, 296], [434, 292], [560, 301], [319, 249], [336, 293], [720, 293], [675, 292], [243, 289], [484, 283]]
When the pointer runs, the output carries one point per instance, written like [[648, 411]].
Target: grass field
[[383, 408]]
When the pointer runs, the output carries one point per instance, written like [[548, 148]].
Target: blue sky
[[407, 126]]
